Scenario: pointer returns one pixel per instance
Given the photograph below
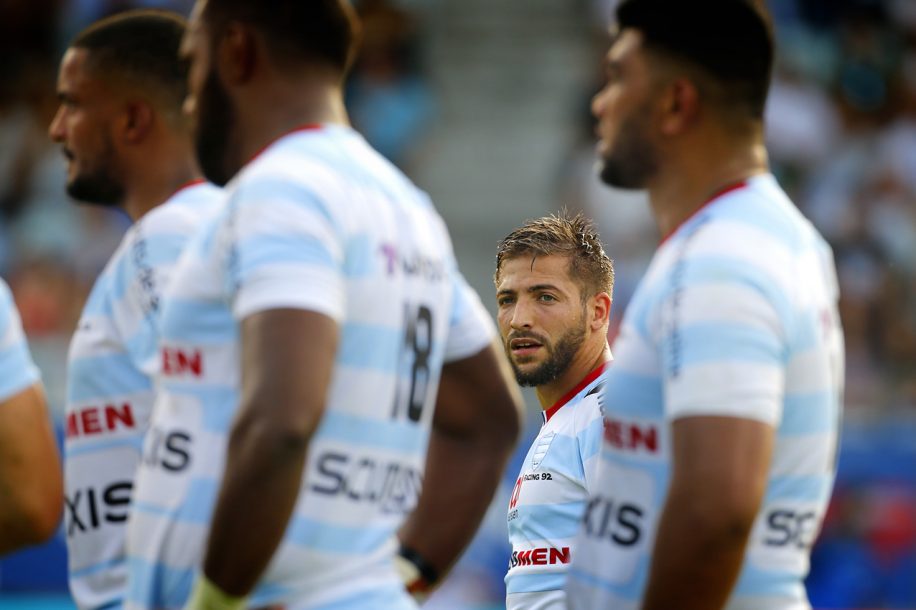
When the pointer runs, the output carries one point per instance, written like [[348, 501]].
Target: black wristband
[[427, 571]]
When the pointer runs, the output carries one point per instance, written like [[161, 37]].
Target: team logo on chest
[[541, 445]]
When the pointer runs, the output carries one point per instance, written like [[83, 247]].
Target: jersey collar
[[548, 413], [719, 193]]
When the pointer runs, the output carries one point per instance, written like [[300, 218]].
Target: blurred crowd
[[842, 139]]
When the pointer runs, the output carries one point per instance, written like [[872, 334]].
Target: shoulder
[[182, 213]]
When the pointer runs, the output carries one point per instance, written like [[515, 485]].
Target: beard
[[632, 161], [216, 118], [98, 186], [559, 357]]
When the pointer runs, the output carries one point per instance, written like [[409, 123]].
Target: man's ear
[[238, 53], [599, 309], [680, 105], [136, 121]]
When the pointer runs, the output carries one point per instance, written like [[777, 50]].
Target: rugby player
[[723, 404], [128, 146], [553, 290], [317, 337]]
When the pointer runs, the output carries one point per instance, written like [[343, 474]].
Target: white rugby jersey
[[110, 391], [737, 316], [321, 222], [17, 371], [549, 498]]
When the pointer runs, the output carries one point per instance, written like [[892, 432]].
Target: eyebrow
[[535, 288]]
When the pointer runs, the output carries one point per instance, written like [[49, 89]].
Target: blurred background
[[486, 105]]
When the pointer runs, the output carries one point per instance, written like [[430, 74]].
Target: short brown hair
[[567, 236]]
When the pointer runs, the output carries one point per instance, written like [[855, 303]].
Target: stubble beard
[[559, 358]]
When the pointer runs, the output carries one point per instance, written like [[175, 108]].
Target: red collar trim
[[548, 413], [722, 191], [306, 127], [187, 185]]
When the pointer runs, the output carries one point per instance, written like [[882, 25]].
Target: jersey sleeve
[[287, 250], [470, 327], [722, 341], [17, 370]]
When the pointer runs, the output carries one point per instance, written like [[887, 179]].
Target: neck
[[691, 179], [157, 182], [283, 108], [583, 363]]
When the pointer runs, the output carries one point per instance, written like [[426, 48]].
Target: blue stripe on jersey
[[18, 370], [97, 304], [268, 188], [275, 248], [87, 446], [159, 250], [650, 465], [808, 331], [212, 322], [330, 538], [766, 583], [762, 215], [590, 439], [528, 583], [361, 258], [640, 390], [370, 346], [392, 435], [102, 566], [709, 270], [704, 343], [809, 413], [392, 597], [633, 589], [563, 457], [120, 378], [161, 586], [197, 508], [799, 488], [561, 520]]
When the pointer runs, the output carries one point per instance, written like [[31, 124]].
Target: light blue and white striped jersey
[[112, 359], [737, 316], [320, 222], [549, 498], [17, 371]]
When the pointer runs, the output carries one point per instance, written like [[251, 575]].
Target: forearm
[[461, 476], [259, 491], [698, 553], [23, 525], [31, 480]]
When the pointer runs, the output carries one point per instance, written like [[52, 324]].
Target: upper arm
[[479, 392], [286, 361], [288, 293], [723, 461], [724, 341], [31, 481]]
